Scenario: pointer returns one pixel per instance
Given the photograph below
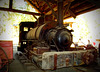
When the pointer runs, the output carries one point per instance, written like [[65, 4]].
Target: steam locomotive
[[55, 37], [49, 34], [48, 45], [48, 37]]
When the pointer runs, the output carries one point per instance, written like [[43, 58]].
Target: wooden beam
[[46, 7], [55, 8], [34, 17], [96, 2], [87, 10], [82, 12], [51, 9], [19, 11], [67, 8], [71, 13], [37, 3], [42, 3], [52, 1], [10, 4], [83, 6], [77, 3], [37, 9]]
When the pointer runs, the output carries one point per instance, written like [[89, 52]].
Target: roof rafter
[[51, 9], [55, 8], [33, 5], [19, 11]]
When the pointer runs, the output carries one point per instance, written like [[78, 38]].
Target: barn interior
[[49, 35]]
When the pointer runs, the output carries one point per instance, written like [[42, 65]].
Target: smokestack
[[60, 12]]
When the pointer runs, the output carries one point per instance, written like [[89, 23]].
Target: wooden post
[[10, 4]]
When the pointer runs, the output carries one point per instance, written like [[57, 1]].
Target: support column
[[60, 12], [10, 4]]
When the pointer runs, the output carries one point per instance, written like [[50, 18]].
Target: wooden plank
[[19, 11], [96, 2], [52, 1], [77, 3], [83, 6], [82, 12], [87, 10], [41, 3], [46, 6]]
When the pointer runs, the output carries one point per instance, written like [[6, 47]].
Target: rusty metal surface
[[40, 50]]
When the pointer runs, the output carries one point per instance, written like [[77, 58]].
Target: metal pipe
[[60, 12]]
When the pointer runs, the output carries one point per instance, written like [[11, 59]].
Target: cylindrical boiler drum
[[35, 32]]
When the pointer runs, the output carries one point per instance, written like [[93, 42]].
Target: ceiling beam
[[52, 1], [71, 13], [81, 12], [51, 8], [19, 11], [37, 3], [83, 6], [87, 10], [77, 3], [55, 8], [96, 2], [34, 6], [67, 7]]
